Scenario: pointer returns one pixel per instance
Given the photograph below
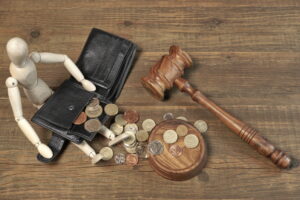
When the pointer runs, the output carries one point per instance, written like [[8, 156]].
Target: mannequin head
[[17, 50]]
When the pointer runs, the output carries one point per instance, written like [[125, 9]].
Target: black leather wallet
[[106, 60]]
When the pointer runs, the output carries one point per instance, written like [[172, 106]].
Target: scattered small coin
[[201, 126], [116, 128], [168, 116], [92, 125], [132, 159], [141, 150], [131, 116], [182, 118], [120, 158], [107, 153], [181, 130], [142, 136], [131, 127], [93, 111], [155, 147], [80, 119], [175, 150], [111, 109], [191, 141], [119, 119], [148, 125], [170, 136]]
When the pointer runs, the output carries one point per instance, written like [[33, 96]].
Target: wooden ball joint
[[168, 71]]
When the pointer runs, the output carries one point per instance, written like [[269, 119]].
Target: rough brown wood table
[[246, 58]]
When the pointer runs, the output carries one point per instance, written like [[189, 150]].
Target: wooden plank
[[246, 58]]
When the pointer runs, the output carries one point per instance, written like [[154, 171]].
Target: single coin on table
[[92, 125], [170, 136], [201, 125], [142, 136], [155, 147], [116, 128], [131, 127], [93, 112], [182, 118], [181, 130], [191, 141], [132, 159], [80, 119], [119, 119], [168, 116], [120, 158], [175, 150], [148, 124], [131, 116], [111, 109]]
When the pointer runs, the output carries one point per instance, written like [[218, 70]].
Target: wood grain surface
[[246, 58]]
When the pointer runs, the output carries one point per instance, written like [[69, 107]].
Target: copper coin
[[131, 116], [175, 150], [80, 119], [132, 159]]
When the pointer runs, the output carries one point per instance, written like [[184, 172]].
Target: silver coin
[[141, 150], [155, 147], [120, 158], [168, 116]]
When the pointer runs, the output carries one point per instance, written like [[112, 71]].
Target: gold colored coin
[[92, 125], [131, 127], [181, 130], [107, 153], [191, 141], [142, 136], [93, 111], [182, 118], [201, 126], [119, 119], [170, 136], [148, 125], [111, 109], [116, 128]]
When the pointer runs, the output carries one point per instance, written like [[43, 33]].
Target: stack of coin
[[130, 143], [141, 150], [93, 109]]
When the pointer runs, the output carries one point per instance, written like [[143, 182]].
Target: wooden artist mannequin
[[23, 71]]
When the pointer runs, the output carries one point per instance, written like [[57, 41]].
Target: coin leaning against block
[[181, 130], [111, 109], [148, 124], [191, 141], [201, 126], [170, 136], [155, 147], [92, 125]]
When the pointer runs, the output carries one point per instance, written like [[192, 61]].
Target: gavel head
[[163, 74]]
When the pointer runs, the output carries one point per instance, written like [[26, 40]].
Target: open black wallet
[[106, 60]]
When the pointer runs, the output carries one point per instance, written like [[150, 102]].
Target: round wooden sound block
[[177, 168]]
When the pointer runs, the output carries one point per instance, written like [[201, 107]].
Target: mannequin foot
[[44, 150]]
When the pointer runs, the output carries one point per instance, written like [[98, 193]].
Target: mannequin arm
[[45, 57], [26, 128]]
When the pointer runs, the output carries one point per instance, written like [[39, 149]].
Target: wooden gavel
[[168, 71]]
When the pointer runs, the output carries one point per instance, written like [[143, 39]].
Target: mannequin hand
[[45, 151], [88, 85], [35, 56]]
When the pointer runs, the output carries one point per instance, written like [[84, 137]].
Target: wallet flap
[[64, 106]]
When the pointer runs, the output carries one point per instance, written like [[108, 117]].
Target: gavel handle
[[246, 133]]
